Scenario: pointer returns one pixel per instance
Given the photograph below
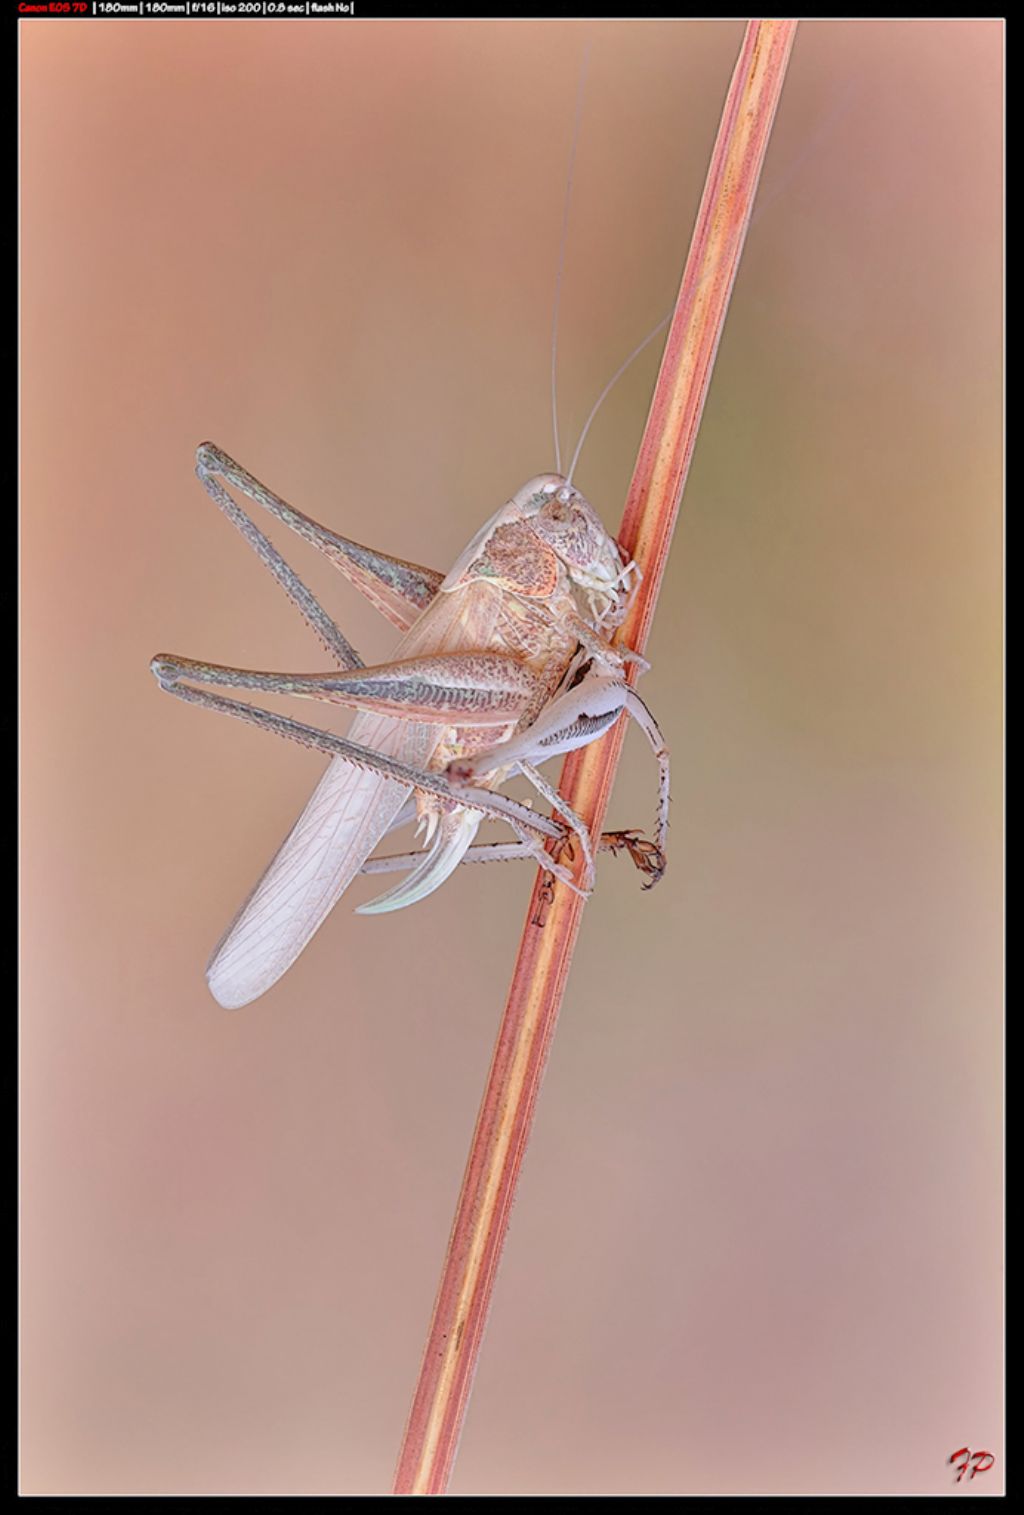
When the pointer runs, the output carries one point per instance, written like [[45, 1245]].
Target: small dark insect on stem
[[506, 1112]]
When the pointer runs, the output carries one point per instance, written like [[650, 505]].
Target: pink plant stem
[[553, 919]]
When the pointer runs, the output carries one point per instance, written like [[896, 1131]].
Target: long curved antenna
[[824, 126], [561, 256], [607, 388]]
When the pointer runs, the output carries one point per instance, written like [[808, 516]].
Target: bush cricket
[[505, 662]]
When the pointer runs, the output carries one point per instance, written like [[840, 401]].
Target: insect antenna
[[561, 255], [616, 376], [823, 127], [558, 298]]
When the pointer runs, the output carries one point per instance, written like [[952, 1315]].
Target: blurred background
[[757, 1248]]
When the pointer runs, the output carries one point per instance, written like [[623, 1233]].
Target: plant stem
[[553, 919]]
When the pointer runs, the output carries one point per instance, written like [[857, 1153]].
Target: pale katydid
[[504, 663], [507, 661]]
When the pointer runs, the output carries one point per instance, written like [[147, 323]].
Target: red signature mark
[[968, 1457]]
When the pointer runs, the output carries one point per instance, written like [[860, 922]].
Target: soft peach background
[[758, 1242]]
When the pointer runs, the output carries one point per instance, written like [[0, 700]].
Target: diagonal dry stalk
[[553, 919]]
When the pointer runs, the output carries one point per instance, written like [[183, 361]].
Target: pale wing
[[460, 620], [349, 812]]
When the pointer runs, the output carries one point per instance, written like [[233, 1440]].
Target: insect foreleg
[[611, 658], [399, 590]]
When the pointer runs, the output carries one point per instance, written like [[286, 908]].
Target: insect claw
[[627, 655], [647, 856], [545, 896], [562, 848], [652, 861]]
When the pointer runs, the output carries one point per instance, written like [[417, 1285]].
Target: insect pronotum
[[508, 660]]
